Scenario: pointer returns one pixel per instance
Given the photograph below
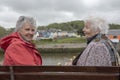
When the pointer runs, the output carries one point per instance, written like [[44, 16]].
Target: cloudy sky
[[51, 11]]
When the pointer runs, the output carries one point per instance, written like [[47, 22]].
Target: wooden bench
[[59, 73]]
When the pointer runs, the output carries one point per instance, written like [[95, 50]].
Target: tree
[[2, 31], [80, 32], [10, 30]]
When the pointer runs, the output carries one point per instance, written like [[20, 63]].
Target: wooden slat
[[67, 76], [59, 73], [4, 76], [4, 73], [65, 69], [4, 68]]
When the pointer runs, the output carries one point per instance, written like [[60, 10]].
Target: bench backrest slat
[[4, 68], [59, 73], [58, 76], [65, 69]]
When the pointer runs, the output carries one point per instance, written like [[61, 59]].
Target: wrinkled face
[[88, 31], [27, 32]]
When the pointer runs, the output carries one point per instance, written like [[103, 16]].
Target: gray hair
[[98, 24], [24, 19]]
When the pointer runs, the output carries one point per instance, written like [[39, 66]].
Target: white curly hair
[[97, 23]]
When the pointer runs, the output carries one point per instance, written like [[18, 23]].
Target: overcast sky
[[51, 11]]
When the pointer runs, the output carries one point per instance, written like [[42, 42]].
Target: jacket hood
[[6, 41]]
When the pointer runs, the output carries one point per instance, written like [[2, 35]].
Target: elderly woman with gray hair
[[100, 50], [18, 48]]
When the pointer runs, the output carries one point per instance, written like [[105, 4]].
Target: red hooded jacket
[[19, 52]]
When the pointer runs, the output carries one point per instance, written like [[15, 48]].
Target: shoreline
[[63, 45], [61, 48]]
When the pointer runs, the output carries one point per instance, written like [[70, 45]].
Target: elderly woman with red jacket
[[18, 48], [100, 50]]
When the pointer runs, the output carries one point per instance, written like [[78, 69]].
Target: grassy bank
[[60, 40], [60, 50]]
